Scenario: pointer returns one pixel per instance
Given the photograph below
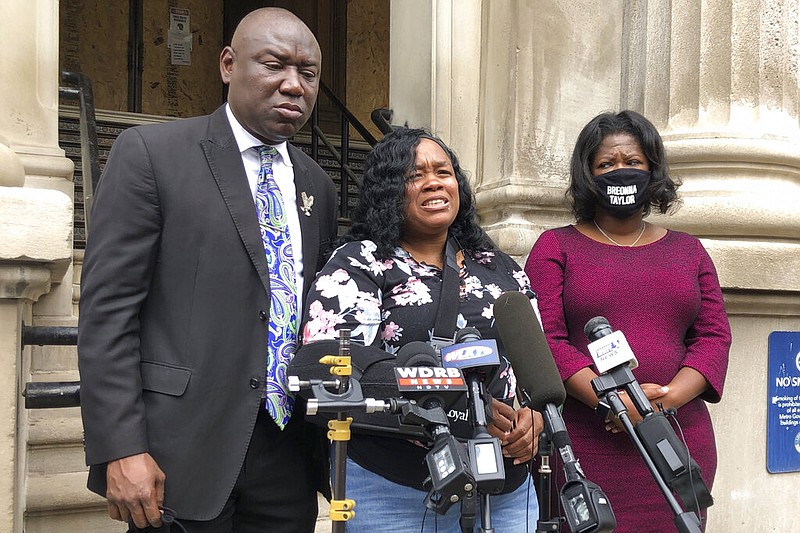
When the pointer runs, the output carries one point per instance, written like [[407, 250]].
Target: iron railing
[[51, 394], [79, 87], [348, 176]]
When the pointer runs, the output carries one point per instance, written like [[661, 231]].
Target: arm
[[545, 267], [707, 344], [118, 264], [708, 340]]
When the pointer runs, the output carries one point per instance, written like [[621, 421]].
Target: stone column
[[410, 42], [720, 81], [547, 67], [435, 71], [35, 217]]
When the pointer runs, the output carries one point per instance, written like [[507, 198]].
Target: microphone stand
[[546, 522], [448, 461], [469, 506], [339, 433], [589, 510], [606, 387]]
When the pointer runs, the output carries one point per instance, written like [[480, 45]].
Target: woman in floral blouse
[[384, 284]]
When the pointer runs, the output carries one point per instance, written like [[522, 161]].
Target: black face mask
[[622, 192]]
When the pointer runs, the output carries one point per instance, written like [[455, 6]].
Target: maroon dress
[[665, 297]]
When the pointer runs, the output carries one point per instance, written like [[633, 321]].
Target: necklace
[[631, 245]]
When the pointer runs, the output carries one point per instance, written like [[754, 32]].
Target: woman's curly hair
[[662, 190], [379, 216]]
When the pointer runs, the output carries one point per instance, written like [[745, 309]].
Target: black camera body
[[586, 507], [672, 459]]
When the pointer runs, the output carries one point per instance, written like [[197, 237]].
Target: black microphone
[[614, 360], [479, 360], [470, 351], [541, 389], [420, 377], [416, 353], [537, 376], [527, 349]]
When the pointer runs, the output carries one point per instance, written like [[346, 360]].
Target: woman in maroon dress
[[658, 286]]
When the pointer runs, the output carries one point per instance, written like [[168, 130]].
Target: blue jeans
[[386, 507]]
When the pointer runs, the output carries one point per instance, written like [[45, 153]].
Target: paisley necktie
[[282, 337]]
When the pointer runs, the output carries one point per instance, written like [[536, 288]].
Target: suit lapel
[[225, 163], [309, 223]]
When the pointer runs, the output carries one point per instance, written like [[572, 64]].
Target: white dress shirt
[[283, 172]]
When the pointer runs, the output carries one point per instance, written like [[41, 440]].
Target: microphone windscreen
[[527, 349], [597, 328], [417, 353], [467, 334]]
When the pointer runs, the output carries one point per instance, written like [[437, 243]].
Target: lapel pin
[[308, 201]]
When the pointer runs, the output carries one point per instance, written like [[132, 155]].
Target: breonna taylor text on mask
[[622, 195]]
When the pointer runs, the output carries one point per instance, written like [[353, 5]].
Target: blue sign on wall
[[783, 408]]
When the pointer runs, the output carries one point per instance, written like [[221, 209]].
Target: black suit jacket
[[174, 298]]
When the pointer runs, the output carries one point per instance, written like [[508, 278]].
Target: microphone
[[470, 351], [541, 388], [654, 436], [614, 360], [416, 353], [609, 349], [527, 349], [419, 377], [534, 366], [479, 360]]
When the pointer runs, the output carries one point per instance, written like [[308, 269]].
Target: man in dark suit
[[176, 300]]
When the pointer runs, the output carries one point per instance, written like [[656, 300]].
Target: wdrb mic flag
[[417, 378]]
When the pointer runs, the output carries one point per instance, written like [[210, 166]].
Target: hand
[[652, 391], [503, 419], [522, 441], [656, 393], [518, 431], [135, 490]]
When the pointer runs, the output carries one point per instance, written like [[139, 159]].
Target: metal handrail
[[360, 128], [381, 117], [336, 155], [49, 335], [80, 89], [51, 394], [341, 156]]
